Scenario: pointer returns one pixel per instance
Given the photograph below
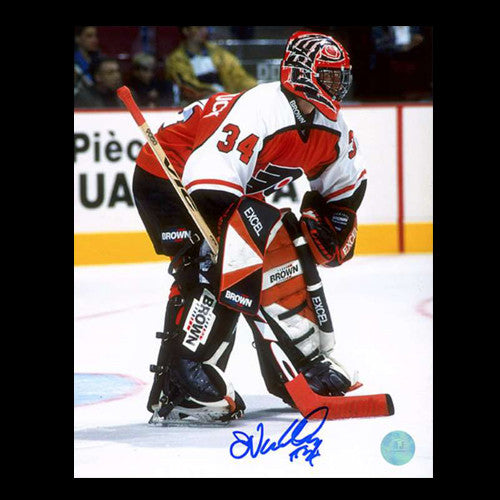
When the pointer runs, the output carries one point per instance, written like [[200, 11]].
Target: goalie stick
[[343, 407], [311, 274], [304, 398], [126, 97]]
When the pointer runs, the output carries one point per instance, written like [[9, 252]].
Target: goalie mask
[[317, 68]]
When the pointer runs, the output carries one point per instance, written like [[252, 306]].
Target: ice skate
[[192, 414]]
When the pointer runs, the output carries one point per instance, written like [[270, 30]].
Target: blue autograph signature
[[307, 445]]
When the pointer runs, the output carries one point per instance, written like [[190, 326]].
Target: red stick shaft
[[126, 97]]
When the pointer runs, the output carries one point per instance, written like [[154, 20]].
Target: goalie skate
[[199, 416]]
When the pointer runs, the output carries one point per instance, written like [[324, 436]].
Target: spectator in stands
[[148, 90], [86, 52], [243, 32], [396, 39], [107, 77], [401, 61], [201, 68]]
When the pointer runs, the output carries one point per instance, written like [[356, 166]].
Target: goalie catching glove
[[330, 229]]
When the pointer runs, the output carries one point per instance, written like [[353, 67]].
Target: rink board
[[395, 217], [136, 247]]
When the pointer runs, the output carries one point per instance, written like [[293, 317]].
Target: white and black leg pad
[[199, 336], [286, 331], [286, 322]]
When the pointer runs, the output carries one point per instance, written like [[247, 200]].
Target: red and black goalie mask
[[317, 68]]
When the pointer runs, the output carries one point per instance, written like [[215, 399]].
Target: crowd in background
[[171, 66]]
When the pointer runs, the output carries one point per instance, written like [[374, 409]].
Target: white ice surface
[[382, 309]]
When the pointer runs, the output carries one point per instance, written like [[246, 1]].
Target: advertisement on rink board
[[105, 147], [106, 144]]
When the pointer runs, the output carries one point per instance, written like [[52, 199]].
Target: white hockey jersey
[[256, 142]]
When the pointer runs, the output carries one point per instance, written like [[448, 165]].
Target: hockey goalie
[[231, 152]]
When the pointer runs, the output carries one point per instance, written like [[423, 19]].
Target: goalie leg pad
[[196, 344], [287, 319], [286, 305], [272, 367]]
